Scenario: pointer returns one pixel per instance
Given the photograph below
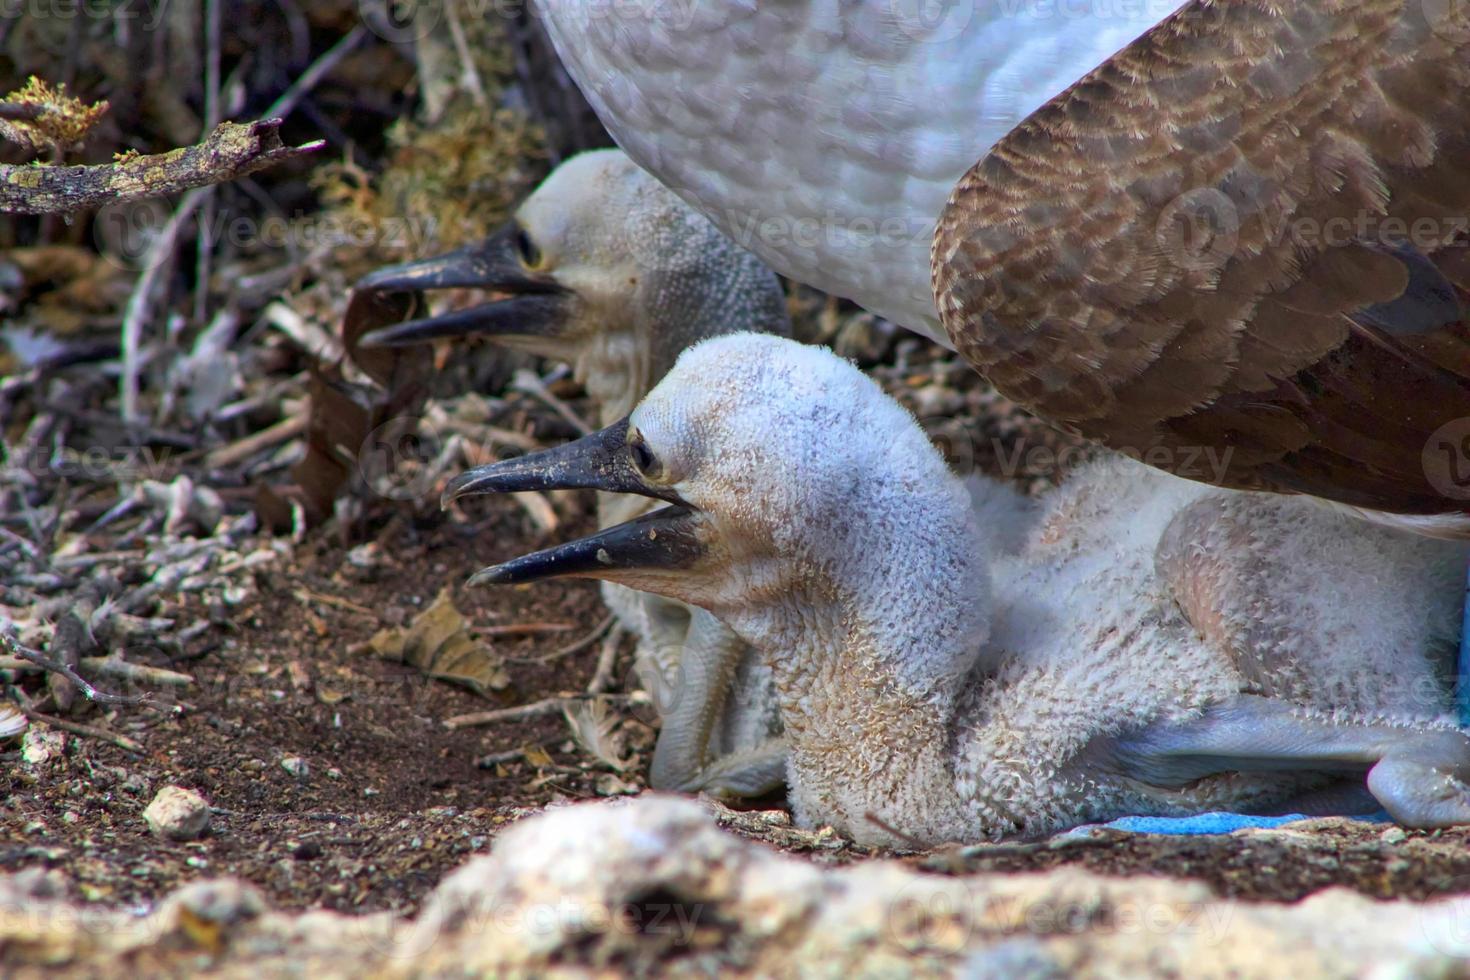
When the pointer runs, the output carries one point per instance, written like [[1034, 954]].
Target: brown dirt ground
[[392, 799]]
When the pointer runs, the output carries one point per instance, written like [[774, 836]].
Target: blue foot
[[1202, 823]]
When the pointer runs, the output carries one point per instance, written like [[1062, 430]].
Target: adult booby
[[825, 137], [604, 268], [1245, 232], [1146, 645]]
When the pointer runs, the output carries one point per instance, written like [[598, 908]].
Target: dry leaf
[[537, 756], [596, 731], [439, 643], [353, 427]]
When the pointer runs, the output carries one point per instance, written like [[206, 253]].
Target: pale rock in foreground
[[652, 885], [177, 814]]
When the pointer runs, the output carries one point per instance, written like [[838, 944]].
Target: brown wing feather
[[1246, 231]]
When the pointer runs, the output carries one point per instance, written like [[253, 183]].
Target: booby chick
[[606, 269], [1143, 645]]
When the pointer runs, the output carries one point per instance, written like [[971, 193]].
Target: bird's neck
[[727, 290], [615, 367], [870, 640]]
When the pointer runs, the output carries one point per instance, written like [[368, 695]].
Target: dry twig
[[531, 384], [57, 667], [575, 646], [242, 449], [522, 629], [521, 712], [602, 677], [121, 741]]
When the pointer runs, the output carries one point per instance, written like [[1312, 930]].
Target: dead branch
[[232, 151], [21, 111], [112, 667], [55, 666]]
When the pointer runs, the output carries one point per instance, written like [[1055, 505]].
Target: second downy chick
[[606, 269]]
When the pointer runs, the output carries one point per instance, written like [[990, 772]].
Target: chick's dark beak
[[667, 539], [664, 540], [536, 305]]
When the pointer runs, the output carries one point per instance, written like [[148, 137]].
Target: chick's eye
[[643, 457], [529, 254]]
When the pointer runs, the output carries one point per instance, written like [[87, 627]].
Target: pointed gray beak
[[599, 461], [537, 305], [667, 539]]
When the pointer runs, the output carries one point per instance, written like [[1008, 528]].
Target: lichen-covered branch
[[231, 151]]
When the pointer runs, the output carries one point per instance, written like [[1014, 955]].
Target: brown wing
[[1248, 232]]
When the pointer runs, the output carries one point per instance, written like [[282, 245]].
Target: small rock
[[365, 556], [306, 850], [177, 814], [1392, 835], [296, 766], [42, 744]]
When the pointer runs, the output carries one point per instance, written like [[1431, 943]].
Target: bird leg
[[1420, 776], [693, 691]]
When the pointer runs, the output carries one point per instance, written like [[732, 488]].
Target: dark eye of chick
[[642, 456], [526, 249]]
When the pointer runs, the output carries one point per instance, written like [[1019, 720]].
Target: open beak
[[535, 304], [668, 539]]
